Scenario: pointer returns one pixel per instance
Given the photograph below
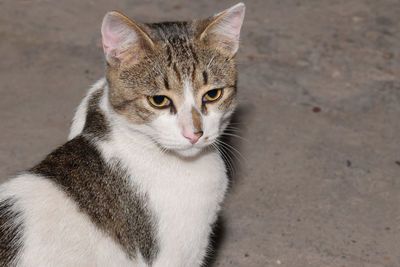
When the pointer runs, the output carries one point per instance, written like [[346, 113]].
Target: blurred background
[[317, 181]]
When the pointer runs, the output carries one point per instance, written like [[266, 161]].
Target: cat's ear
[[123, 40], [223, 29]]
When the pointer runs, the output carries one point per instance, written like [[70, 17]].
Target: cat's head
[[176, 81]]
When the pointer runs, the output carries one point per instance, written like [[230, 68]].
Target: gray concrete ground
[[320, 115]]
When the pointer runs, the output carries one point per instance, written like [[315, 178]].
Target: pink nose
[[193, 137]]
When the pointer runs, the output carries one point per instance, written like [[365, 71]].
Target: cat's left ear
[[223, 29], [123, 40]]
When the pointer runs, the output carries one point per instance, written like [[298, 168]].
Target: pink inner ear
[[111, 40], [230, 24], [236, 22]]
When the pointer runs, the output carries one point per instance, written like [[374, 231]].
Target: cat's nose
[[193, 137]]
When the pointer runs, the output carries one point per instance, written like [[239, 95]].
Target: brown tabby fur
[[176, 55]]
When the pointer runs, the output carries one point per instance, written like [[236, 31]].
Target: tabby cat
[[140, 181]]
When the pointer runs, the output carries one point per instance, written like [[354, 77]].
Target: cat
[[140, 180]]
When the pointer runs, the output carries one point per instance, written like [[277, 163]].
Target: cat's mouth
[[189, 150], [186, 150]]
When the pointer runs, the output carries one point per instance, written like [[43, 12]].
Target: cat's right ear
[[123, 40], [222, 31]]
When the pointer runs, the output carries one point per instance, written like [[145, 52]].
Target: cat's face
[[174, 82]]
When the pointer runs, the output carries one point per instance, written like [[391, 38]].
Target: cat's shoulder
[[79, 120]]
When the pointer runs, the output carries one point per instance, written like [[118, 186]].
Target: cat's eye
[[212, 95], [159, 101]]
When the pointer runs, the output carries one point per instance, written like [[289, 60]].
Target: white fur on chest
[[184, 194]]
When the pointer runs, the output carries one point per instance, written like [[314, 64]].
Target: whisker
[[234, 135], [233, 128], [235, 124], [225, 150], [227, 159], [232, 149]]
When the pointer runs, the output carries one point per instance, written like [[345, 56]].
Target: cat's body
[[184, 197], [117, 194]]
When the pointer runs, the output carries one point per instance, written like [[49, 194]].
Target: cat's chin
[[190, 152]]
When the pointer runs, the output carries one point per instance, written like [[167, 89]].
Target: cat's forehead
[[180, 60], [177, 43], [187, 65]]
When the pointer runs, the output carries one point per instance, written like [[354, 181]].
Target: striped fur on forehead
[[177, 56]]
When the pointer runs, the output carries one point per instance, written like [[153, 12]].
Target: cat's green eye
[[212, 95], [159, 101]]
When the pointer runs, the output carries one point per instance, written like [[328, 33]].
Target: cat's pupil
[[158, 99], [213, 93]]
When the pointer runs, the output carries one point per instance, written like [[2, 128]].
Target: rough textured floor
[[320, 117]]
